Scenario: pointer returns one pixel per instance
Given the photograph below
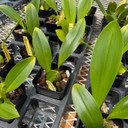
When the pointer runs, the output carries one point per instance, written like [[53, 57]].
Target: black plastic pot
[[50, 93], [90, 19], [19, 37], [19, 103], [7, 67], [51, 27], [119, 79], [4, 71], [46, 13], [70, 61], [104, 23]]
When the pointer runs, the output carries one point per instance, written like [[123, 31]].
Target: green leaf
[[18, 74], [120, 110], [105, 61], [124, 31], [69, 8], [36, 3], [11, 13], [126, 20], [86, 107], [83, 8], [61, 35], [45, 5], [109, 18], [122, 15], [65, 26], [50, 85], [32, 18], [9, 102], [52, 4], [71, 41], [8, 111], [120, 9], [101, 7], [42, 49], [51, 75], [111, 7]]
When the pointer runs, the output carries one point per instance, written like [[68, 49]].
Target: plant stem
[[101, 7], [11, 31], [24, 27], [87, 45]]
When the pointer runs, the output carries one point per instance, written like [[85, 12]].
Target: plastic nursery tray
[[41, 111], [11, 3], [104, 23], [114, 95], [121, 89], [120, 123], [16, 48]]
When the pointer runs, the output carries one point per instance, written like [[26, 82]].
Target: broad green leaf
[[109, 18], [65, 25], [8, 111], [11, 13], [71, 41], [45, 5], [42, 49], [61, 35], [122, 15], [69, 8], [120, 9], [126, 20], [52, 4], [111, 7], [50, 85], [86, 107], [9, 102], [83, 8], [32, 19], [51, 75], [18, 74], [36, 3], [105, 61], [124, 31], [120, 110]]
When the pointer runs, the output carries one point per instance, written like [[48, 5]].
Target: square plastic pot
[[50, 93]]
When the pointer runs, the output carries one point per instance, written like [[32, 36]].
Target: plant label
[[27, 46], [7, 55]]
